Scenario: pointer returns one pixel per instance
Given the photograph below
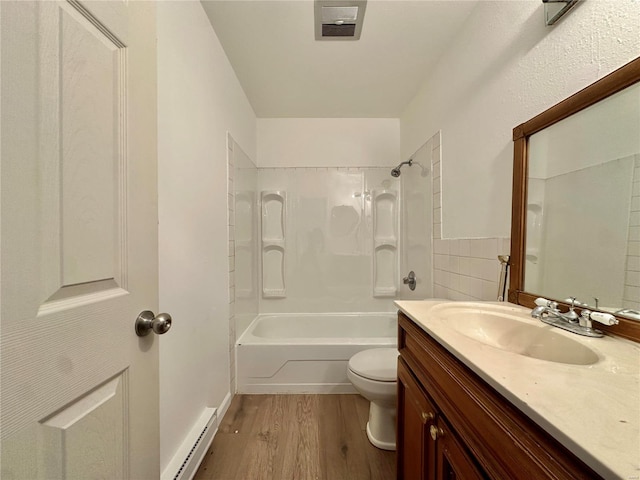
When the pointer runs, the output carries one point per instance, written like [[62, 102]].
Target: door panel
[[91, 74], [82, 108], [79, 240], [88, 433]]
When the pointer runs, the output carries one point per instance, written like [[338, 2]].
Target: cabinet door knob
[[427, 416], [436, 432]]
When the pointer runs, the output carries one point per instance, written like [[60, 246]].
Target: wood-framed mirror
[[559, 153]]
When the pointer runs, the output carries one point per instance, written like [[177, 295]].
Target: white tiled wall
[[466, 268], [631, 298], [242, 254]]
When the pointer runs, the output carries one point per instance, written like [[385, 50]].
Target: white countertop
[[593, 410]]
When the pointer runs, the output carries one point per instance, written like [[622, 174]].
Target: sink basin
[[496, 327]]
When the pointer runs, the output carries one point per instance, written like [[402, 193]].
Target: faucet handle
[[410, 280], [543, 302], [604, 318], [587, 316]]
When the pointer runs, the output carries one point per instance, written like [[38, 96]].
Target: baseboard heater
[[185, 463]]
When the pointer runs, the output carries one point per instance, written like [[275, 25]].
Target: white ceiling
[[285, 72]]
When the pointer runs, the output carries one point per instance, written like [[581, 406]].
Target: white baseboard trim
[[185, 462], [224, 406]]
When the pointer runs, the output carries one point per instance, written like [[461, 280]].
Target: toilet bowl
[[373, 374]]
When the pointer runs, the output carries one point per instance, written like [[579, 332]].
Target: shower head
[[396, 171]]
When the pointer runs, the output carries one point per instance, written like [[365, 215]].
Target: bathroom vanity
[[471, 407], [485, 390]]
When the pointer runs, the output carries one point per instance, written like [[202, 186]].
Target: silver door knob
[[147, 321]]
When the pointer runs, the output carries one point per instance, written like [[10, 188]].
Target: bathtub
[[307, 353]]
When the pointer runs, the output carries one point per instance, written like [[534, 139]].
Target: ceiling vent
[[339, 20]]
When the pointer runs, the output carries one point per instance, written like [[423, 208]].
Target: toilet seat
[[378, 364]]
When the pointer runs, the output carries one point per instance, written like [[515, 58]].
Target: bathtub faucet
[[410, 280]]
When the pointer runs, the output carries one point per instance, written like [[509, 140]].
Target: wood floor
[[296, 437]]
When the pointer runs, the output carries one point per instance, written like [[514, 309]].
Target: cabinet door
[[416, 414], [453, 462]]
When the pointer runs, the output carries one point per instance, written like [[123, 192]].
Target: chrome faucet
[[547, 311], [551, 309], [410, 280]]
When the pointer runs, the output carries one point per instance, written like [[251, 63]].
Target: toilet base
[[381, 427]]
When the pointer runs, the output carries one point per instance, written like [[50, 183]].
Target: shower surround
[[329, 239], [319, 248]]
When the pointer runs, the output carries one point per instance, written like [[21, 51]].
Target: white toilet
[[373, 373]]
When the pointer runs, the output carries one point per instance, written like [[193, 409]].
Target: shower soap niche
[[273, 243], [385, 243]]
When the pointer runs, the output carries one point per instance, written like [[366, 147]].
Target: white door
[[79, 389]]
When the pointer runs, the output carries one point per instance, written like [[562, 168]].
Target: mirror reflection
[[583, 207]]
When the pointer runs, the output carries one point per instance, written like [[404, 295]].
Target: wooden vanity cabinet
[[416, 415], [477, 433], [427, 448], [452, 460]]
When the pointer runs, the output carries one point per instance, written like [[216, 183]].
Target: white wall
[[199, 100], [504, 67], [328, 142]]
